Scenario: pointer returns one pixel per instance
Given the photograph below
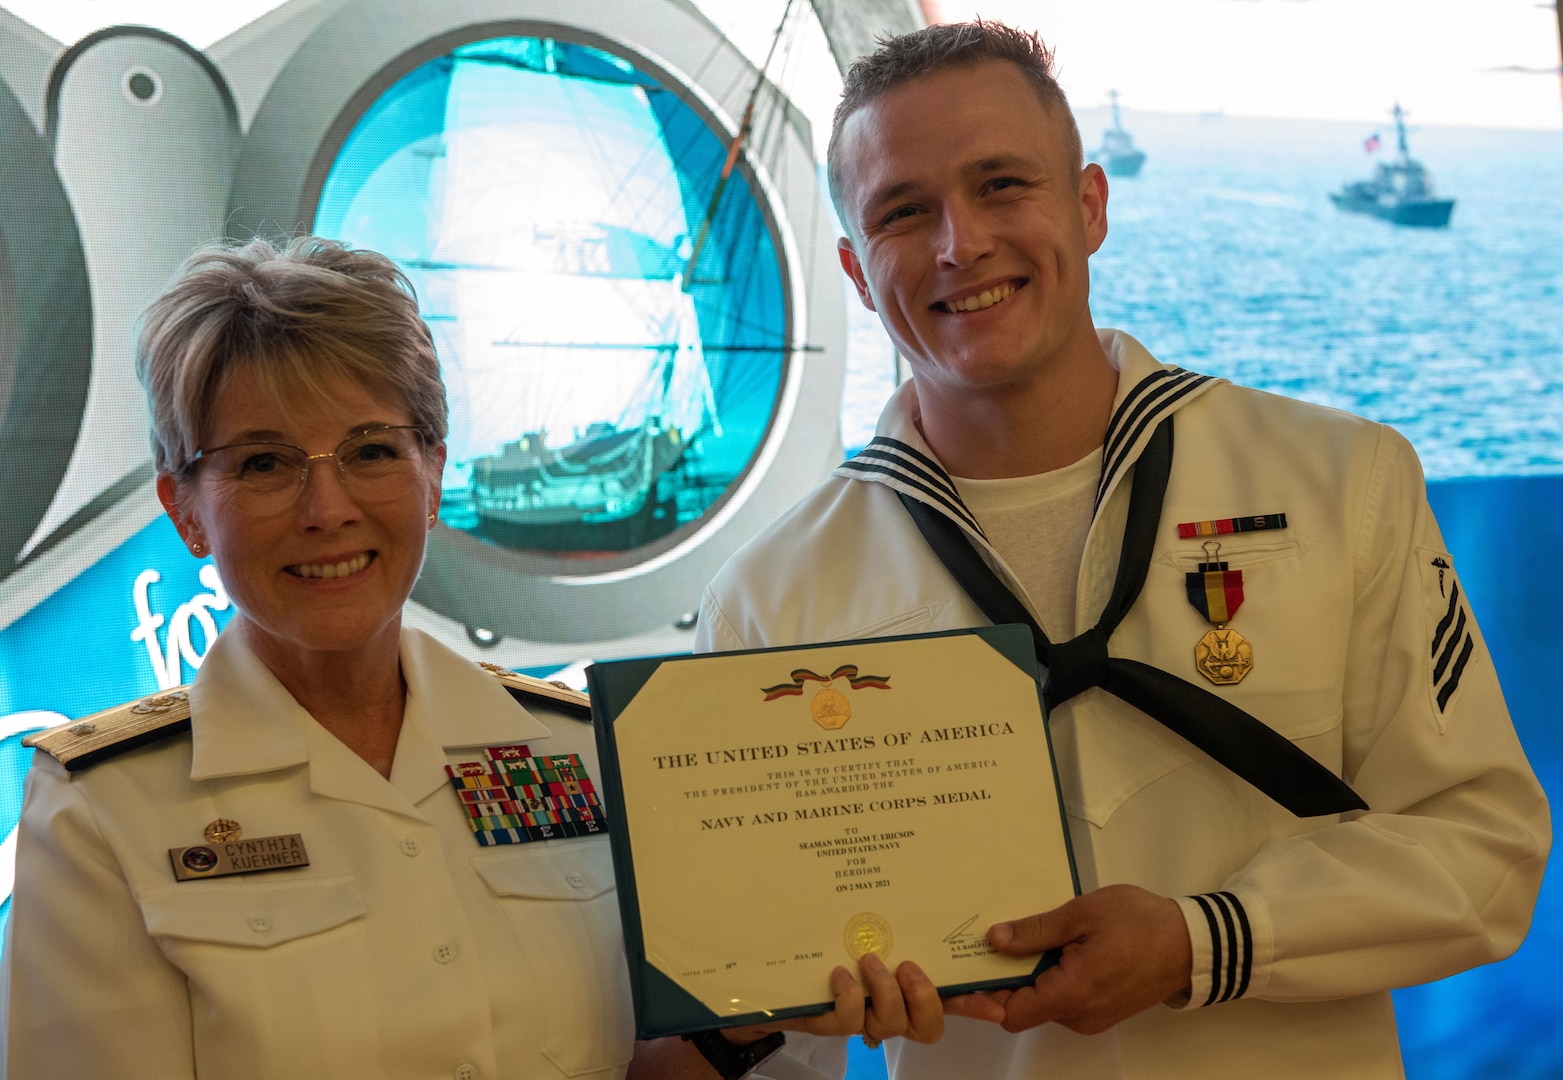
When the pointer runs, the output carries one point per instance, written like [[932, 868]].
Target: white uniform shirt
[[1365, 656], [404, 949]]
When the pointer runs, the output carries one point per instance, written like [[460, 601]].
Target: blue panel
[[1501, 1020]]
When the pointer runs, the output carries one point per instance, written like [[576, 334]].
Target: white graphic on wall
[[169, 654], [19, 723], [178, 647]]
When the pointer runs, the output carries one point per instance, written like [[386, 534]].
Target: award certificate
[[783, 811]]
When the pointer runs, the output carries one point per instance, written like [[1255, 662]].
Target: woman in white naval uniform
[[289, 872]]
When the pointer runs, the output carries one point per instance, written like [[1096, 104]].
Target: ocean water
[[1226, 256]]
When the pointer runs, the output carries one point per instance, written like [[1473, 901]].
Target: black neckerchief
[[1245, 745]]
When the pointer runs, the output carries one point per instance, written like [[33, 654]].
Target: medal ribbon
[[803, 675], [1216, 594]]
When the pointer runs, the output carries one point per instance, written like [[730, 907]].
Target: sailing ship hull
[[579, 534], [599, 494]]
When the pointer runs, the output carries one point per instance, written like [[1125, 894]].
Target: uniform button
[[444, 954], [259, 923], [466, 1072], [409, 846], [576, 879]]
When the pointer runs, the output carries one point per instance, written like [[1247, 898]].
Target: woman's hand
[[905, 1004]]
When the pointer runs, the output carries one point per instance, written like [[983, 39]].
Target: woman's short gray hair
[[298, 316]]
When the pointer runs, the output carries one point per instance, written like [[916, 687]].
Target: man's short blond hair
[[943, 47]]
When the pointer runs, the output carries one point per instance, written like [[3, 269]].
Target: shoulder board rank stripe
[[106, 734], [524, 687]]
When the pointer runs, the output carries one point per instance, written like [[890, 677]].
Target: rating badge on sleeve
[[513, 796]]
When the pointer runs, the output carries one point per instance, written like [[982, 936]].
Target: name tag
[[238, 857]]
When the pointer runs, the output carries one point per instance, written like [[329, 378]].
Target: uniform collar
[[451, 703], [245, 722], [1147, 392]]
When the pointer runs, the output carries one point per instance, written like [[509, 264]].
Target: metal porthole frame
[[363, 48]]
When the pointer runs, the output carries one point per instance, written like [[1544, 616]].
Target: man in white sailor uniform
[[1291, 780]]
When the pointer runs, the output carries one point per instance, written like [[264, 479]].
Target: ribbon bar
[[1221, 526]]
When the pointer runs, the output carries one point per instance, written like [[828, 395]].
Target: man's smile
[[983, 298]]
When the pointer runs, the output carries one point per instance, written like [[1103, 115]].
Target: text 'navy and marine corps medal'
[[227, 852], [514, 796], [829, 707], [1216, 591]]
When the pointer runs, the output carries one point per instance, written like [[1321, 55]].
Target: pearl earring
[[196, 549]]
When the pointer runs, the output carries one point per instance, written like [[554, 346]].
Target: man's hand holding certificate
[[787, 811]]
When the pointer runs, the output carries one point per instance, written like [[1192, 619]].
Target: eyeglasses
[[376, 465]]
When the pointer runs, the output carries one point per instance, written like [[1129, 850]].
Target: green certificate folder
[[781, 811]]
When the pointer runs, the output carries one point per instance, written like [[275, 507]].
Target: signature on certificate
[[961, 932]]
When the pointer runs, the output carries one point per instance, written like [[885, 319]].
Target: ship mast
[[1400, 131], [745, 128]]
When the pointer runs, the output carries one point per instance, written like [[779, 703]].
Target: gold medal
[[1223, 656], [1216, 591], [868, 933], [830, 709]]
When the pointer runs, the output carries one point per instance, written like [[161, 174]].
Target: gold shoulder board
[[556, 694], [80, 743]]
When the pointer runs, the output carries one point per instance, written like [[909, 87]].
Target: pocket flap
[[549, 869], [253, 913]]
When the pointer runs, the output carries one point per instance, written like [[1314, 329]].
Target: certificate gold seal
[[222, 830], [868, 933], [830, 709], [1224, 657]]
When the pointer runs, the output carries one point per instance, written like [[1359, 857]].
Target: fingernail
[[1001, 934]]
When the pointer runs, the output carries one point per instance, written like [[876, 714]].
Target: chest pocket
[[1295, 617], [254, 916], [561, 903], [266, 956]]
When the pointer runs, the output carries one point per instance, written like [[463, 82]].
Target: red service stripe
[[1232, 587]]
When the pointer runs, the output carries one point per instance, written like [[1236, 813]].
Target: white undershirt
[[1038, 525]]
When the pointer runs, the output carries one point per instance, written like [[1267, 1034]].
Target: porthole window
[[608, 306]]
